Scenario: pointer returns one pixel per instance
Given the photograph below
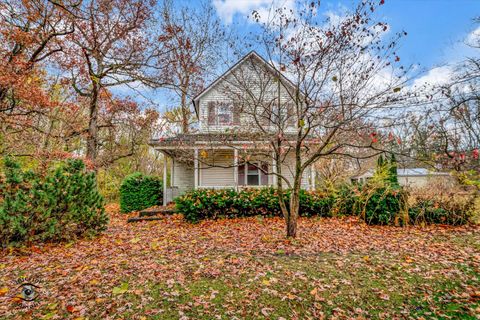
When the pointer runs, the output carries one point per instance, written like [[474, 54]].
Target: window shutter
[[264, 174], [211, 113], [241, 174], [290, 114], [236, 113]]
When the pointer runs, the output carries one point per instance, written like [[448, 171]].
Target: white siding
[[216, 170], [183, 176], [288, 170], [228, 90]]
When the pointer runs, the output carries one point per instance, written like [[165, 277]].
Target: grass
[[246, 269], [376, 287]]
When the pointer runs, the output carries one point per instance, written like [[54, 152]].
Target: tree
[[447, 134], [111, 47], [32, 34], [336, 87], [191, 37], [392, 166]]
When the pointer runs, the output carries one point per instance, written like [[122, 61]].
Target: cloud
[[473, 37], [436, 76], [227, 9]]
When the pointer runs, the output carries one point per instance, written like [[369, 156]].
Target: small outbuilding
[[411, 177]]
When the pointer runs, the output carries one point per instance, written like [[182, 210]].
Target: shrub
[[61, 204], [344, 200], [429, 207], [139, 191], [381, 205], [211, 204]]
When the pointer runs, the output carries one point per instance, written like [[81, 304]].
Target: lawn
[[246, 269]]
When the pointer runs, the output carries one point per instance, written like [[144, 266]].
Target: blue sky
[[436, 29]]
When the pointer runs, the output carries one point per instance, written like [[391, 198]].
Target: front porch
[[196, 164]]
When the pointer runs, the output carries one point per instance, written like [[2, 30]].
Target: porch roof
[[213, 139]]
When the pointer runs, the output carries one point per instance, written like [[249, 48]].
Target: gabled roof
[[251, 54]]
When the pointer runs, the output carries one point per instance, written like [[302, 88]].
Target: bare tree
[[448, 132], [111, 47], [328, 88], [192, 37]]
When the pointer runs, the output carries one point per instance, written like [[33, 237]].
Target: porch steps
[[137, 219], [152, 214]]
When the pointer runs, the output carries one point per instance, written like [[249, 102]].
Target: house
[[230, 149], [411, 177]]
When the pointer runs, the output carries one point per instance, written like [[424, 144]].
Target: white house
[[411, 177], [230, 149]]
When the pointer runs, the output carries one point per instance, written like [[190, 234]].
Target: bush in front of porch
[[139, 191], [227, 203]]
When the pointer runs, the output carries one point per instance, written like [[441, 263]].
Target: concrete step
[[138, 219], [155, 212]]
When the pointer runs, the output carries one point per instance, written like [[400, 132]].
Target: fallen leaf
[[120, 289]]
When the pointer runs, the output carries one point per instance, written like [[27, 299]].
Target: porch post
[[172, 172], [312, 178], [195, 168], [165, 178], [274, 170], [235, 168]]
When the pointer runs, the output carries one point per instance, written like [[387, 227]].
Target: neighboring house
[[411, 177], [218, 154]]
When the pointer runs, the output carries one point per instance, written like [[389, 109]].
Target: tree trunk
[[184, 106], [93, 124], [185, 112], [293, 211], [295, 195]]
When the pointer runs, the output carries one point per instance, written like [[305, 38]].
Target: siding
[[227, 91], [288, 168], [213, 176], [183, 176]]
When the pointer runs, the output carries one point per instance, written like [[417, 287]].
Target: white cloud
[[436, 76], [227, 9], [473, 37]]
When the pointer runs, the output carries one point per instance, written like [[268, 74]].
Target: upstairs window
[[279, 115], [223, 113]]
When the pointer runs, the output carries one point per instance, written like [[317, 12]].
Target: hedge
[[437, 210], [376, 205], [139, 191], [226, 203]]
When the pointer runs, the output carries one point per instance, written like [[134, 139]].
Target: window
[[282, 115], [224, 114], [250, 174], [253, 175], [278, 114]]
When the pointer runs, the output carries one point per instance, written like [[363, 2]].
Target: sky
[[437, 29]]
